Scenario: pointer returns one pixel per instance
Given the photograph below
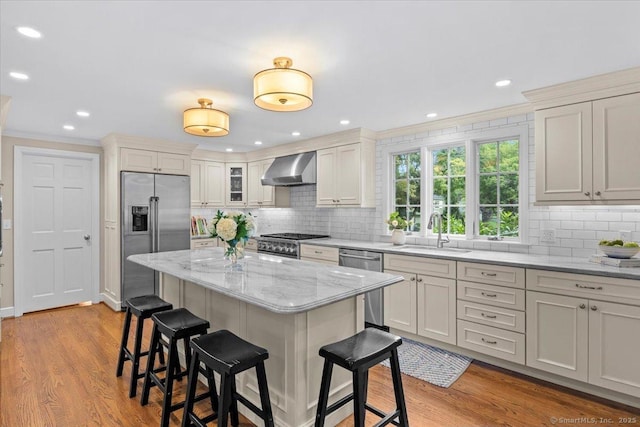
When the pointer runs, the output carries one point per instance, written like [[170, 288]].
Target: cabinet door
[[197, 178], [614, 346], [437, 308], [563, 153], [400, 310], [138, 160], [326, 177], [213, 184], [267, 191], [557, 328], [174, 164], [347, 174], [236, 184], [616, 148], [254, 186]]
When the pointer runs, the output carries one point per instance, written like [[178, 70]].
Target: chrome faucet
[[440, 243]]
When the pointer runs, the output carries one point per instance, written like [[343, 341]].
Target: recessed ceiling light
[[344, 122], [83, 113], [19, 76], [258, 142], [29, 32], [229, 150], [68, 127], [296, 133], [432, 115], [503, 83]]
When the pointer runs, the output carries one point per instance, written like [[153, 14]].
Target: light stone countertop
[[544, 262], [278, 284]]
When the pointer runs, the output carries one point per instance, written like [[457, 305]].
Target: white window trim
[[469, 139]]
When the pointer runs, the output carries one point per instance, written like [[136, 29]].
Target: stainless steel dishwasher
[[374, 300]]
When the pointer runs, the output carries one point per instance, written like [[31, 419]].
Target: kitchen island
[[287, 306]]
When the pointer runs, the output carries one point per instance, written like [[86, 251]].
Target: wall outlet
[[625, 235], [548, 236], [6, 224]]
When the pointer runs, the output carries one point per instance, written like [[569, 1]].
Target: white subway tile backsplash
[[609, 216]]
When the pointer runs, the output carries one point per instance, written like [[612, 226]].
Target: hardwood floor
[[57, 368]]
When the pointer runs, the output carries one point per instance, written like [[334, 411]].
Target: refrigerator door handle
[[153, 204]]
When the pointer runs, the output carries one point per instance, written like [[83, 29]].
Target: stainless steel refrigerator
[[155, 218]]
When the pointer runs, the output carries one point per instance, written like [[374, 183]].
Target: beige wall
[[8, 143]]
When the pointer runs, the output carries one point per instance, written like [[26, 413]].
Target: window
[[498, 188], [407, 178], [449, 188]]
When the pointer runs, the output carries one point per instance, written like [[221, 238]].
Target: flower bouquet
[[234, 228], [397, 225]]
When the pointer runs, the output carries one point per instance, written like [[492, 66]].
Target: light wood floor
[[57, 368]]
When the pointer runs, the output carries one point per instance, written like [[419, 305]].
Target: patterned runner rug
[[431, 364]]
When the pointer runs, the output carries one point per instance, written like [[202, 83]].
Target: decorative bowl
[[618, 252]]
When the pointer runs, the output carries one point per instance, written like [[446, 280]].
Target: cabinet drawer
[[204, 243], [491, 274], [492, 341], [626, 291], [493, 295], [319, 252], [499, 317], [428, 266], [251, 245]]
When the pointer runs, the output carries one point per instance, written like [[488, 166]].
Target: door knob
[[87, 237]]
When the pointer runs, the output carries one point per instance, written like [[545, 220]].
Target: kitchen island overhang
[[288, 306]]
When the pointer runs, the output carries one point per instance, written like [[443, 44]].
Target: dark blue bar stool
[[357, 354], [143, 308], [228, 355]]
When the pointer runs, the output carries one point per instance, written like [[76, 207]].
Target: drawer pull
[[489, 274], [599, 288], [489, 295], [317, 252], [489, 316], [489, 342]]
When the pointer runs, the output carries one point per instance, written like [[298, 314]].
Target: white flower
[[394, 223], [226, 229], [212, 225]]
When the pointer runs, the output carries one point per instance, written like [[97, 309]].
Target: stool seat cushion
[[147, 305], [178, 322], [361, 348], [226, 352]]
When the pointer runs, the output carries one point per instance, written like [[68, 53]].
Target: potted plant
[[397, 225]]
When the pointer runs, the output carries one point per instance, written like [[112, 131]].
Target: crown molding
[[481, 116], [588, 89], [5, 102], [50, 138], [144, 143]]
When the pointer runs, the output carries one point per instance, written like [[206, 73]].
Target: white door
[[55, 212]]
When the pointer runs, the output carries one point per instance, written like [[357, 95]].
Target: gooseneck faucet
[[436, 215]]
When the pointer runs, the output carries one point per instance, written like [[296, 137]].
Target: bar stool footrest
[[249, 405], [386, 418]]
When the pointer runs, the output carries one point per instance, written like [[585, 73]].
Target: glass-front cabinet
[[236, 184]]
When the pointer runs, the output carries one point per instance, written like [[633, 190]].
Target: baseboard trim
[[111, 303], [7, 312]]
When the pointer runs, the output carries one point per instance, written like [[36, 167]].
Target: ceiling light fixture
[[283, 88], [29, 32], [205, 121], [83, 113], [344, 122], [228, 150], [19, 76], [432, 115], [503, 83], [296, 133], [258, 143], [68, 127]]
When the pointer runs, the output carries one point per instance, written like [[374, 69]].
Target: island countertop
[[277, 284]]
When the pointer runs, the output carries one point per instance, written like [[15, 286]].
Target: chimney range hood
[[296, 169]]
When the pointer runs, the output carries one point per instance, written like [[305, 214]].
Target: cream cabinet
[[424, 303], [321, 254], [204, 243], [264, 196], [236, 184], [589, 152], [346, 175], [207, 184], [136, 160]]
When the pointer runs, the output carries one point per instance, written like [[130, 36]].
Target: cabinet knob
[[413, 279], [594, 308], [598, 193], [583, 306], [587, 193], [419, 279], [159, 169]]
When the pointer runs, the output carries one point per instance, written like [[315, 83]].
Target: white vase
[[398, 237]]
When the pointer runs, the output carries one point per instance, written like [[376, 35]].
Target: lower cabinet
[[321, 254], [437, 308], [400, 307], [584, 339]]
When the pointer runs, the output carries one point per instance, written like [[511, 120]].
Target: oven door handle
[[367, 258]]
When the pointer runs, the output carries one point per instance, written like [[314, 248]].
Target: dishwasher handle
[[367, 258]]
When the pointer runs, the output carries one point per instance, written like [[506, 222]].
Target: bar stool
[[357, 354], [143, 308], [177, 324], [228, 355]]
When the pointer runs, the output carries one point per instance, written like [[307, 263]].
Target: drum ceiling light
[[283, 88], [206, 121]]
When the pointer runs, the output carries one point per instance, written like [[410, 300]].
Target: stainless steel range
[[284, 244]]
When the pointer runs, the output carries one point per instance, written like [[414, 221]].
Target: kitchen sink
[[432, 250]]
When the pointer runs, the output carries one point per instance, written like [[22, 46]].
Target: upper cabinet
[[135, 160], [346, 175], [236, 184], [587, 140], [264, 196], [207, 184]]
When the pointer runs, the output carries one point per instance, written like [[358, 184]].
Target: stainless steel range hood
[[296, 169]]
